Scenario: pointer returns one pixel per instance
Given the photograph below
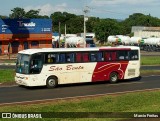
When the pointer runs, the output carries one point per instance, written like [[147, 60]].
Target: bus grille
[[131, 72]]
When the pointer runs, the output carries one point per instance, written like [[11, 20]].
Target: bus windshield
[[22, 64]]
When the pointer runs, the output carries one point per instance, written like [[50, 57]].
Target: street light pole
[[84, 28], [85, 19], [59, 34]]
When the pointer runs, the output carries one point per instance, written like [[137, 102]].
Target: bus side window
[[53, 58], [50, 58], [62, 58], [122, 55], [78, 57], [113, 56], [70, 57], [96, 56], [93, 57], [85, 57], [127, 55], [133, 54], [107, 56], [100, 56]]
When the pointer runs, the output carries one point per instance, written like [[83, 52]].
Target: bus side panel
[[70, 73], [103, 70]]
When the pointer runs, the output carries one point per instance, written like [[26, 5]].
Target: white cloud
[[62, 7], [115, 2], [47, 9]]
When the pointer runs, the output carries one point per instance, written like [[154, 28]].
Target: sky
[[116, 9]]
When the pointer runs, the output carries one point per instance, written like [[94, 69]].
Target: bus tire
[[52, 82], [113, 78]]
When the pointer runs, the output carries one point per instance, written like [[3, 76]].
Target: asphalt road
[[16, 94], [142, 67]]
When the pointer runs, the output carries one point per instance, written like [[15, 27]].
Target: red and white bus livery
[[50, 67]]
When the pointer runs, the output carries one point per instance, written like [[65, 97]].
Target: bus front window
[[22, 64]]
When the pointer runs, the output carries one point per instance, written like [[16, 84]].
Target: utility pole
[[59, 34], [64, 44], [85, 19]]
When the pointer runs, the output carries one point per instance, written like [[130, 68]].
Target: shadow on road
[[83, 84]]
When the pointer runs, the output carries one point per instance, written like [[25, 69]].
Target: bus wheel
[[113, 78], [51, 82]]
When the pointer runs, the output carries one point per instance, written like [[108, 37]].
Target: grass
[[131, 102], [150, 72], [150, 60], [7, 75]]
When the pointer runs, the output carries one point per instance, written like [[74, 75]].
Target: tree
[[139, 19], [75, 25], [73, 22], [91, 23], [34, 14], [17, 13], [107, 27]]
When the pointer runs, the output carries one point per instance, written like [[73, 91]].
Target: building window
[[34, 43], [15, 44]]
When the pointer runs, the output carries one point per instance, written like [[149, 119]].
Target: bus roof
[[33, 51]]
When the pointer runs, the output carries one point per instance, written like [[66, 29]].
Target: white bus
[[54, 66]]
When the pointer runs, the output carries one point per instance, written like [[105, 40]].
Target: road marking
[[65, 98]]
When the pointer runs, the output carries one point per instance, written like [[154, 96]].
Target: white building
[[145, 32]]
